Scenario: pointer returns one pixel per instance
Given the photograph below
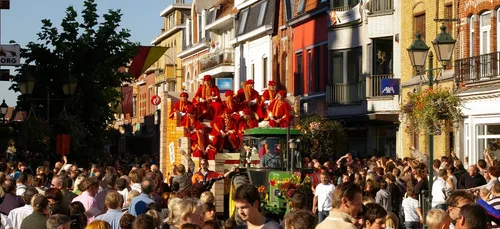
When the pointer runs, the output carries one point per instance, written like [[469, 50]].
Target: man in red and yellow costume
[[230, 102], [267, 97], [248, 97], [279, 111], [207, 99], [181, 107], [225, 130], [201, 144], [248, 120], [190, 121]]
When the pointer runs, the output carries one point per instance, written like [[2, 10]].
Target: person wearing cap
[[279, 111], [190, 121], [182, 106], [267, 97], [207, 99], [201, 145], [230, 102], [225, 130], [248, 120], [248, 97]]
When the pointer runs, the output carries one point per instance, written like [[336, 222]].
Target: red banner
[[127, 103]]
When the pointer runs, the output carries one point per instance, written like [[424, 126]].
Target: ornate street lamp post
[[3, 110]]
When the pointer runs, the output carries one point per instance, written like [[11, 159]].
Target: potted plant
[[429, 109]]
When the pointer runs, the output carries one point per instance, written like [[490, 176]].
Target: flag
[[146, 57], [127, 103]]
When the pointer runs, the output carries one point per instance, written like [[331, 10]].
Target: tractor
[[271, 181]]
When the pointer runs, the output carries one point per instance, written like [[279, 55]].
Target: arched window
[[485, 32]]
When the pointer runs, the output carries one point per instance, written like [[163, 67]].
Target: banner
[[127, 101], [344, 17], [63, 142]]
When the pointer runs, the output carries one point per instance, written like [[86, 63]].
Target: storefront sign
[[155, 100], [390, 86], [9, 55]]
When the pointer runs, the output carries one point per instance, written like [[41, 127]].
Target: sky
[[22, 22]]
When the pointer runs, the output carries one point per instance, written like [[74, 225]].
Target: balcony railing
[[220, 58], [344, 93], [376, 7], [478, 68], [374, 84]]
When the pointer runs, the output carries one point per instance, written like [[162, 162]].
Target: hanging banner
[[127, 103], [171, 151], [63, 142], [344, 17]]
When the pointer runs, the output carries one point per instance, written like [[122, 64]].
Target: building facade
[[423, 17], [477, 78], [363, 38]]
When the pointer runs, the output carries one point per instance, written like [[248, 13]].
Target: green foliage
[[321, 137], [90, 50], [428, 109]]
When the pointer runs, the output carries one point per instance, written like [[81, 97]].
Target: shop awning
[[146, 57]]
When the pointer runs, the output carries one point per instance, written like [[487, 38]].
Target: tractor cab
[[269, 157]]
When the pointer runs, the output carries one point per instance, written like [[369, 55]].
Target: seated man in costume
[[225, 130], [181, 107], [190, 121], [248, 97], [231, 103], [201, 144], [247, 120], [207, 99], [279, 111], [267, 97]]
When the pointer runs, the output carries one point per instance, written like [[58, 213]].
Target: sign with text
[[9, 55], [4, 4], [390, 86], [345, 16]]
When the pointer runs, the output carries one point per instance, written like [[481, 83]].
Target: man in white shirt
[[17, 215], [439, 190], [322, 203]]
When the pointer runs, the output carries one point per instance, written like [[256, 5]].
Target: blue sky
[[22, 22]]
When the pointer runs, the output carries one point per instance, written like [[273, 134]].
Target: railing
[[376, 7], [212, 60], [478, 68], [374, 84], [344, 93], [186, 47]]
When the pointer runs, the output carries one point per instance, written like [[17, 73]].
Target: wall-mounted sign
[[390, 86], [155, 100], [9, 55]]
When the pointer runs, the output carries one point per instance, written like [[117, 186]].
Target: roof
[[271, 131], [13, 115], [253, 13]]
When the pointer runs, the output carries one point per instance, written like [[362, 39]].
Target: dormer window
[[243, 21], [262, 13]]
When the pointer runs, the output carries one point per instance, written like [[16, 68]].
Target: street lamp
[[3, 110], [26, 84], [443, 45], [69, 87]]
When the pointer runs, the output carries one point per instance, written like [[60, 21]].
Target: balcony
[[344, 93], [374, 85], [478, 69], [218, 62], [380, 7]]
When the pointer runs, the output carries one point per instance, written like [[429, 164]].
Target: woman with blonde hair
[[185, 211], [131, 195], [76, 185], [98, 224], [207, 197]]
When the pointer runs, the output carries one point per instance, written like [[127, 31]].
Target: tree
[[89, 51], [321, 137]]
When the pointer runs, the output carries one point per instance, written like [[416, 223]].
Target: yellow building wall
[[433, 9]]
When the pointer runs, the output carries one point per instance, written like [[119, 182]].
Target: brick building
[[420, 18], [477, 77]]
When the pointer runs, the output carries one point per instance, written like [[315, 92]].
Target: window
[[343, 3], [448, 14], [243, 21], [302, 6], [200, 27], [420, 25], [485, 29], [347, 66], [317, 63], [471, 36], [262, 13], [134, 106], [150, 94], [171, 20], [498, 28], [264, 71], [252, 74], [309, 71], [299, 80], [488, 136]]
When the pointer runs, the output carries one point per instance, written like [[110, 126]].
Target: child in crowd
[[412, 210], [301, 219], [437, 219]]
